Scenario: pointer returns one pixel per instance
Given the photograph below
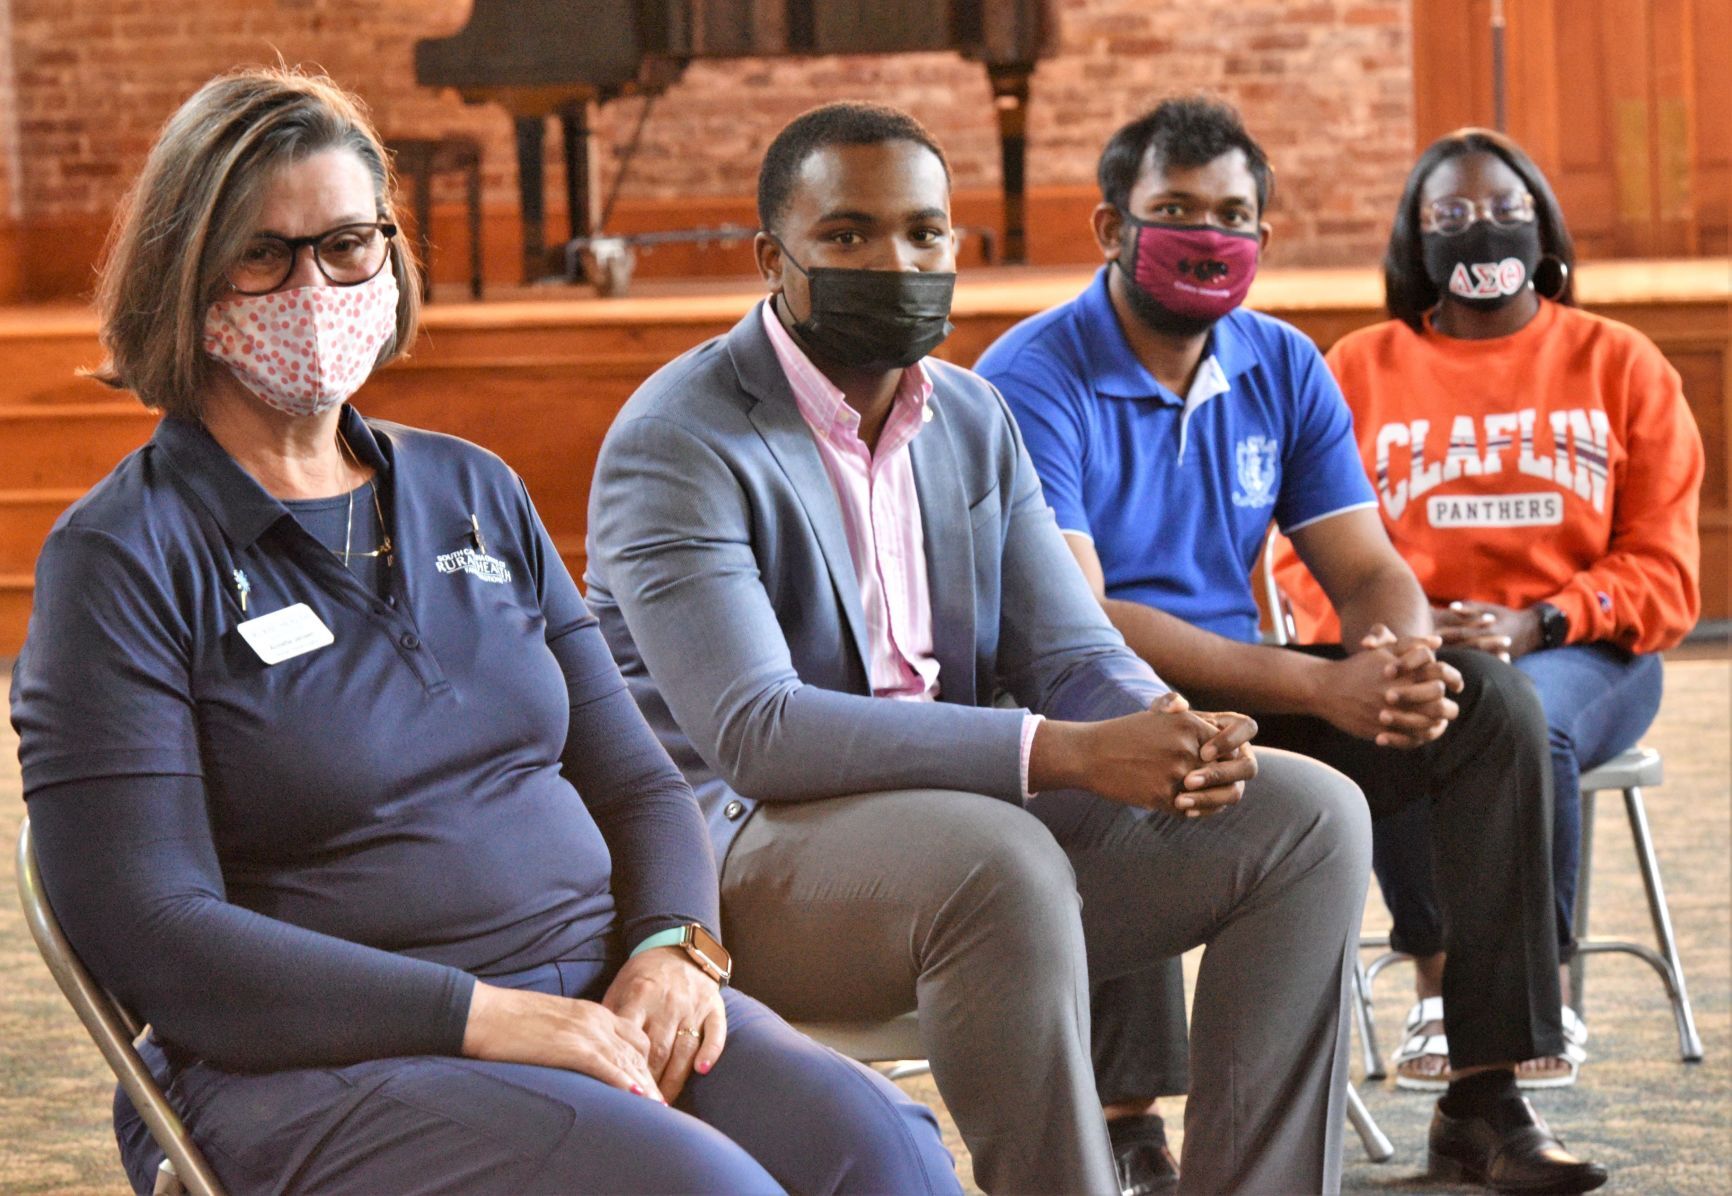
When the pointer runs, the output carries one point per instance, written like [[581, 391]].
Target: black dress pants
[[1488, 783]]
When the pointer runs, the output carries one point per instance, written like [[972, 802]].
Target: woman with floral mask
[[1538, 468], [332, 777]]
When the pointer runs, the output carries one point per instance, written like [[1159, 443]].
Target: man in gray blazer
[[935, 776]]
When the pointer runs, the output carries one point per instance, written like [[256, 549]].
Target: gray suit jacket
[[719, 569]]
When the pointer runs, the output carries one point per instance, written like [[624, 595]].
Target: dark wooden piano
[[542, 58]]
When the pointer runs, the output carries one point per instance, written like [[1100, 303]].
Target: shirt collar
[[822, 403], [1119, 373], [243, 508]]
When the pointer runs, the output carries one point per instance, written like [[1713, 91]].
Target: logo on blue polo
[[476, 564], [1254, 464]]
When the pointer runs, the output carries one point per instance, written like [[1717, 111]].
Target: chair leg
[[1383, 961], [1689, 1042], [1369, 1055], [1666, 962], [1579, 915], [1374, 1068], [167, 1181], [908, 1069], [1377, 1145]]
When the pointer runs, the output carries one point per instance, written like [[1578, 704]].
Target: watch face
[[704, 944], [1554, 626]]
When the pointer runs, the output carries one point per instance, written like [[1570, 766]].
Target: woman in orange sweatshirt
[[1538, 468]]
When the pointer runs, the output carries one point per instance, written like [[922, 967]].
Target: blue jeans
[[1598, 700]]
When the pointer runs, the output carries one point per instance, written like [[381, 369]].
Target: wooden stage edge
[[998, 290], [537, 375]]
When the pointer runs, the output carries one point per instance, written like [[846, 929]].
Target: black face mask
[[873, 319], [1485, 265]]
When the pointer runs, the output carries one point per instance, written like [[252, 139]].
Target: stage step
[[15, 589], [41, 354], [25, 519], [57, 446]]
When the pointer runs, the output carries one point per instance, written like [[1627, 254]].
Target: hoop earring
[[1562, 269]]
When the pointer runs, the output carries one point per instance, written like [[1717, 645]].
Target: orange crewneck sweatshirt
[[1559, 463]]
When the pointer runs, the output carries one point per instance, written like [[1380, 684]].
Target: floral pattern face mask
[[306, 350]]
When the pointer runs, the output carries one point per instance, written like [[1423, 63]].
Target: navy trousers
[[1598, 701], [778, 1112]]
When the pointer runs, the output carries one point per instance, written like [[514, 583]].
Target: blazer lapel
[[789, 439], [949, 554]]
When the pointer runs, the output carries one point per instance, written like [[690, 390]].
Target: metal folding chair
[[115, 1031], [1630, 772], [897, 1041]]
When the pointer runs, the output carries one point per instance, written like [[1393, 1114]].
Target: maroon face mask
[[1194, 272]]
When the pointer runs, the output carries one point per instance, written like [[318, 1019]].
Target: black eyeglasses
[[348, 256]]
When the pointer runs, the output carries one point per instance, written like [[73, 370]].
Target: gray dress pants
[[989, 920]]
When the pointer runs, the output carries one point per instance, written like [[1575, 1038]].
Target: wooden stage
[[537, 376]]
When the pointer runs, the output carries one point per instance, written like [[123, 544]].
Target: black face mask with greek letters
[[1485, 265]]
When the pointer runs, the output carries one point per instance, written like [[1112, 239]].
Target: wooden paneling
[[1711, 124], [540, 381], [1625, 104], [11, 262]]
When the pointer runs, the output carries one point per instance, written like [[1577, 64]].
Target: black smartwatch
[[1554, 625]]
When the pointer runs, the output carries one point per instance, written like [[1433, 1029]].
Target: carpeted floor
[[1663, 1127]]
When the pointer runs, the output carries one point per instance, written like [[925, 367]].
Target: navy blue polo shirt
[[1177, 492], [401, 787]]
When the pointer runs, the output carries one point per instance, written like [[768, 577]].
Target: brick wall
[[1326, 84]]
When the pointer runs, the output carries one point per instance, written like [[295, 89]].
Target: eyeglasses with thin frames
[[347, 256], [1457, 213]]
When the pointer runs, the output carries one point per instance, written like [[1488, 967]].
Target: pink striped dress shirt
[[881, 519]]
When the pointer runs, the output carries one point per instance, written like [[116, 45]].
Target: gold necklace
[[384, 548]]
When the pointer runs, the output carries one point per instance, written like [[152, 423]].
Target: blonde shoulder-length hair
[[187, 218]]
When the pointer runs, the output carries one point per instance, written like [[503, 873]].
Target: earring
[[1553, 264]]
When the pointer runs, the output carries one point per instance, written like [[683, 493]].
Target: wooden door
[[1625, 104]]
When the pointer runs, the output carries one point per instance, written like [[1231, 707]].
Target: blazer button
[[733, 810], [409, 640]]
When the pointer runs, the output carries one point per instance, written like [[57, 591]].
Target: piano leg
[[1010, 100], [472, 172], [424, 222], [574, 126], [531, 205]]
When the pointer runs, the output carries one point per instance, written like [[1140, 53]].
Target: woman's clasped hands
[[661, 1019]]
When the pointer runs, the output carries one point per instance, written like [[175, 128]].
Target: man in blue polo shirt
[[1169, 426]]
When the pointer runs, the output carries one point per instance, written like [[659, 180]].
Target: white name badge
[[287, 633]]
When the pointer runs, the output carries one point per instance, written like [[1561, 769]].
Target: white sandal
[[1419, 1046], [1574, 1054]]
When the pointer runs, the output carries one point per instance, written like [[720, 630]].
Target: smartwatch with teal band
[[673, 936], [700, 946]]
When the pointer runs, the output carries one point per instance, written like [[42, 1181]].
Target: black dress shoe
[[1525, 1157], [1144, 1165]]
